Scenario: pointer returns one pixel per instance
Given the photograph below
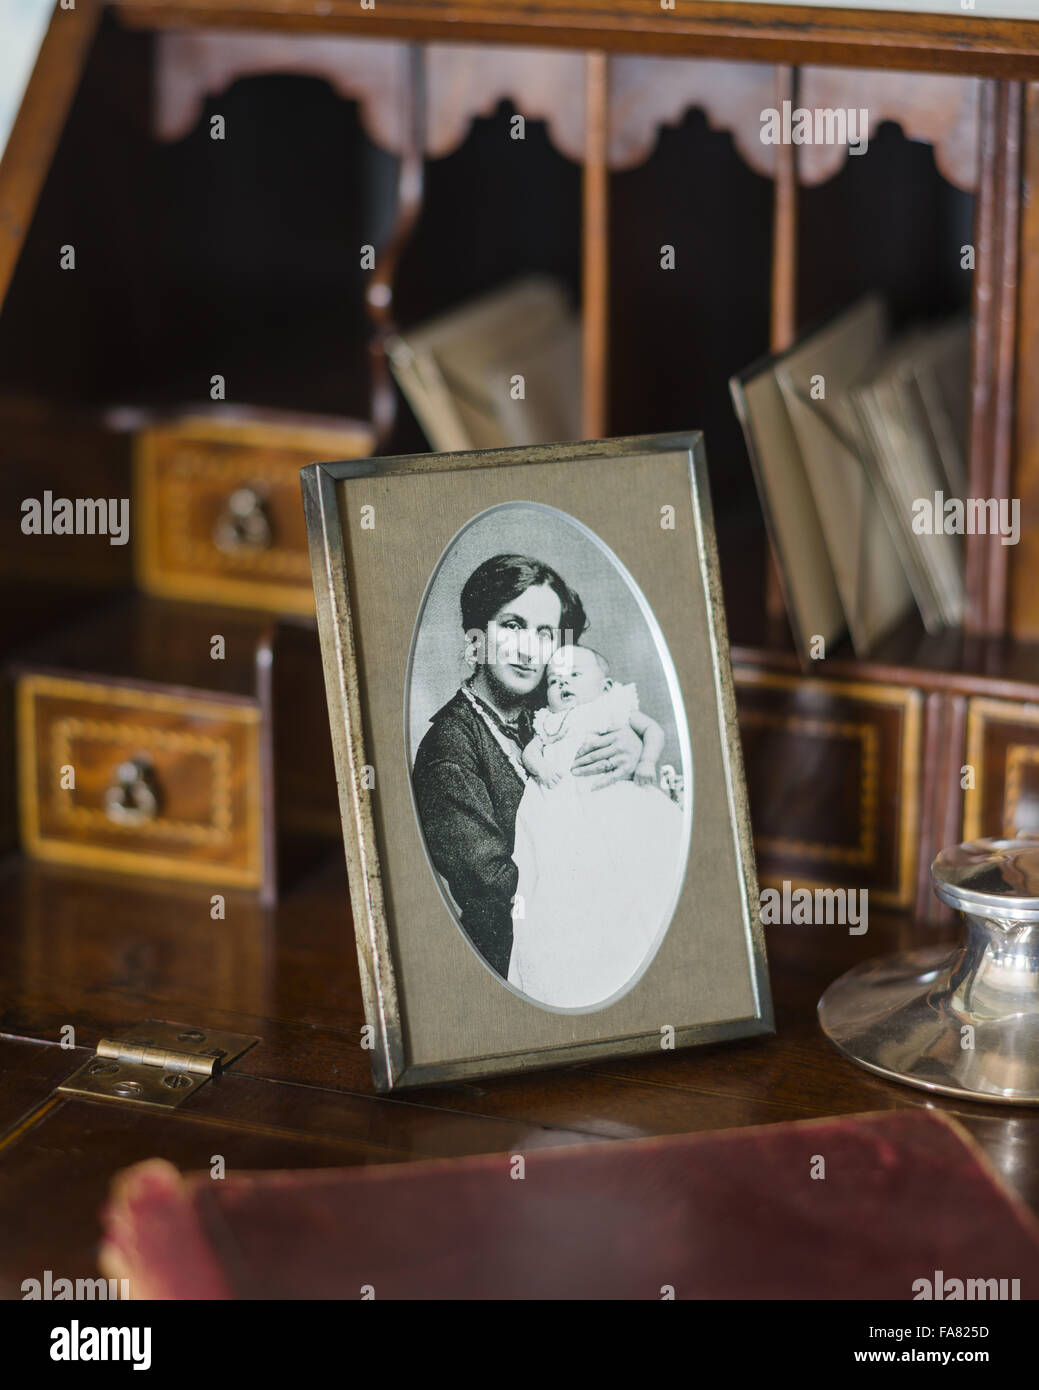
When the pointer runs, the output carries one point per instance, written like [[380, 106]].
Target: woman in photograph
[[469, 777]]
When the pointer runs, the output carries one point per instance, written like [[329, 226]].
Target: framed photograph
[[538, 759]]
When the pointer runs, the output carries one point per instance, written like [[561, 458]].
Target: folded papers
[[847, 431]]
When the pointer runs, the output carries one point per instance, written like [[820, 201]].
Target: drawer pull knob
[[244, 523], [132, 796]]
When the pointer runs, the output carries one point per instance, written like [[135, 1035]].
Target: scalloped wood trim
[[466, 81]]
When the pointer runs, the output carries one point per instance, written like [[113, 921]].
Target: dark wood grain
[[831, 776], [595, 235], [948, 660], [47, 447], [250, 1124], [967, 42], [25, 611], [204, 762], [239, 746], [783, 306], [941, 794], [141, 641], [380, 291], [843, 788], [31, 1070], [993, 347], [102, 953], [1010, 189], [188, 470], [1024, 592], [1003, 751]]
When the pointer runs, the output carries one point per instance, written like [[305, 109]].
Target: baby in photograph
[[598, 866]]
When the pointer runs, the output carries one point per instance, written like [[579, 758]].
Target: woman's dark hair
[[504, 577]]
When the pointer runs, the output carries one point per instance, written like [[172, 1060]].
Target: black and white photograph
[[519, 673], [551, 764], [534, 726]]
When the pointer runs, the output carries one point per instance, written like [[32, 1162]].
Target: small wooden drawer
[[220, 510], [832, 778], [1003, 756], [142, 781], [177, 741]]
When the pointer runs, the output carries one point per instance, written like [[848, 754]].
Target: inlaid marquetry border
[[53, 848], [981, 712], [1019, 756], [218, 750], [910, 703], [203, 578], [865, 852], [181, 468]]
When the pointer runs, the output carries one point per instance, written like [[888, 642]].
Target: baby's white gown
[[598, 870]]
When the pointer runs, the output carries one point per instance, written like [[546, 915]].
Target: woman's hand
[[610, 757]]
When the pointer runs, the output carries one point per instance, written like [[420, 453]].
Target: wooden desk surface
[[101, 954]]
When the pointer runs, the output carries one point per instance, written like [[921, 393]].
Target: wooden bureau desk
[[103, 954]]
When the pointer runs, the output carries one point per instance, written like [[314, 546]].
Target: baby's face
[[574, 678]]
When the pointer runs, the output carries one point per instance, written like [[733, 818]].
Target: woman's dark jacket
[[468, 794]]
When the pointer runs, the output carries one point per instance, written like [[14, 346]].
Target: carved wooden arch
[[647, 93], [465, 81], [462, 83]]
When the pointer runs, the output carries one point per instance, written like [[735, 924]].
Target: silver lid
[[991, 878]]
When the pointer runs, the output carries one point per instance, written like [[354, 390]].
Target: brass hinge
[[157, 1064]]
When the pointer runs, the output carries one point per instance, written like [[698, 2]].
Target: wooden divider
[[595, 290], [992, 350], [783, 305]]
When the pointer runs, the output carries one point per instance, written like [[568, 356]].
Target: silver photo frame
[[391, 542]]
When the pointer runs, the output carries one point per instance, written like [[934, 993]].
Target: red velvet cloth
[[736, 1214]]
